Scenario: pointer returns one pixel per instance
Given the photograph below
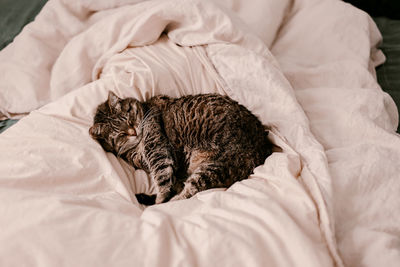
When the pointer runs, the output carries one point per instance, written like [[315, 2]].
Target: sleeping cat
[[186, 144]]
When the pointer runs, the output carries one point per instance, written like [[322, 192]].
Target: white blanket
[[327, 198]]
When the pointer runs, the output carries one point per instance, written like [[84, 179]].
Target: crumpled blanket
[[327, 197]]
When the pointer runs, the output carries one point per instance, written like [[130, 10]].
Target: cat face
[[117, 124]]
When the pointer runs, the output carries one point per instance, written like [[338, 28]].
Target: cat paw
[[176, 197], [161, 199], [146, 199]]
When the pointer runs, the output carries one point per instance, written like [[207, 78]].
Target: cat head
[[117, 124]]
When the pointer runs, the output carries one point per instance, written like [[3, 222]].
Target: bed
[[327, 197]]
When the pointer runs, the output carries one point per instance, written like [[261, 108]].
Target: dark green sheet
[[5, 124], [14, 15], [389, 73]]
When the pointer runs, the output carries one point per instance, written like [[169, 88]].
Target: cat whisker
[[148, 113], [123, 149], [142, 124], [148, 116]]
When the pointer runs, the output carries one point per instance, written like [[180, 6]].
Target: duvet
[[328, 195]]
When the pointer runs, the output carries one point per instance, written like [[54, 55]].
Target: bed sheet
[[320, 201]]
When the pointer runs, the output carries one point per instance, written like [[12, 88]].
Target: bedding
[[326, 197], [15, 14]]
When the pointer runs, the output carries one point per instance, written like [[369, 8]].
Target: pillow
[[263, 18]]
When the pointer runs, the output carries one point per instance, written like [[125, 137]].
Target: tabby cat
[[186, 144]]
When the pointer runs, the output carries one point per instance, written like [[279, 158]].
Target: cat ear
[[95, 130], [113, 101]]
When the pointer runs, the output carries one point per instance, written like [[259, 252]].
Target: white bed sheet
[[327, 199]]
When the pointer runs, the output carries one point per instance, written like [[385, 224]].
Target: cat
[[187, 144]]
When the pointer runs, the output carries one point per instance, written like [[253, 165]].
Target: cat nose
[[131, 132]]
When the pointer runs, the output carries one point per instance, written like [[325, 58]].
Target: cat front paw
[[176, 197]]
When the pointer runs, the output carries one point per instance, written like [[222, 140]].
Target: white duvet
[[327, 197]]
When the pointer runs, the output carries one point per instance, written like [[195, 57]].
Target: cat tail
[[146, 199]]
